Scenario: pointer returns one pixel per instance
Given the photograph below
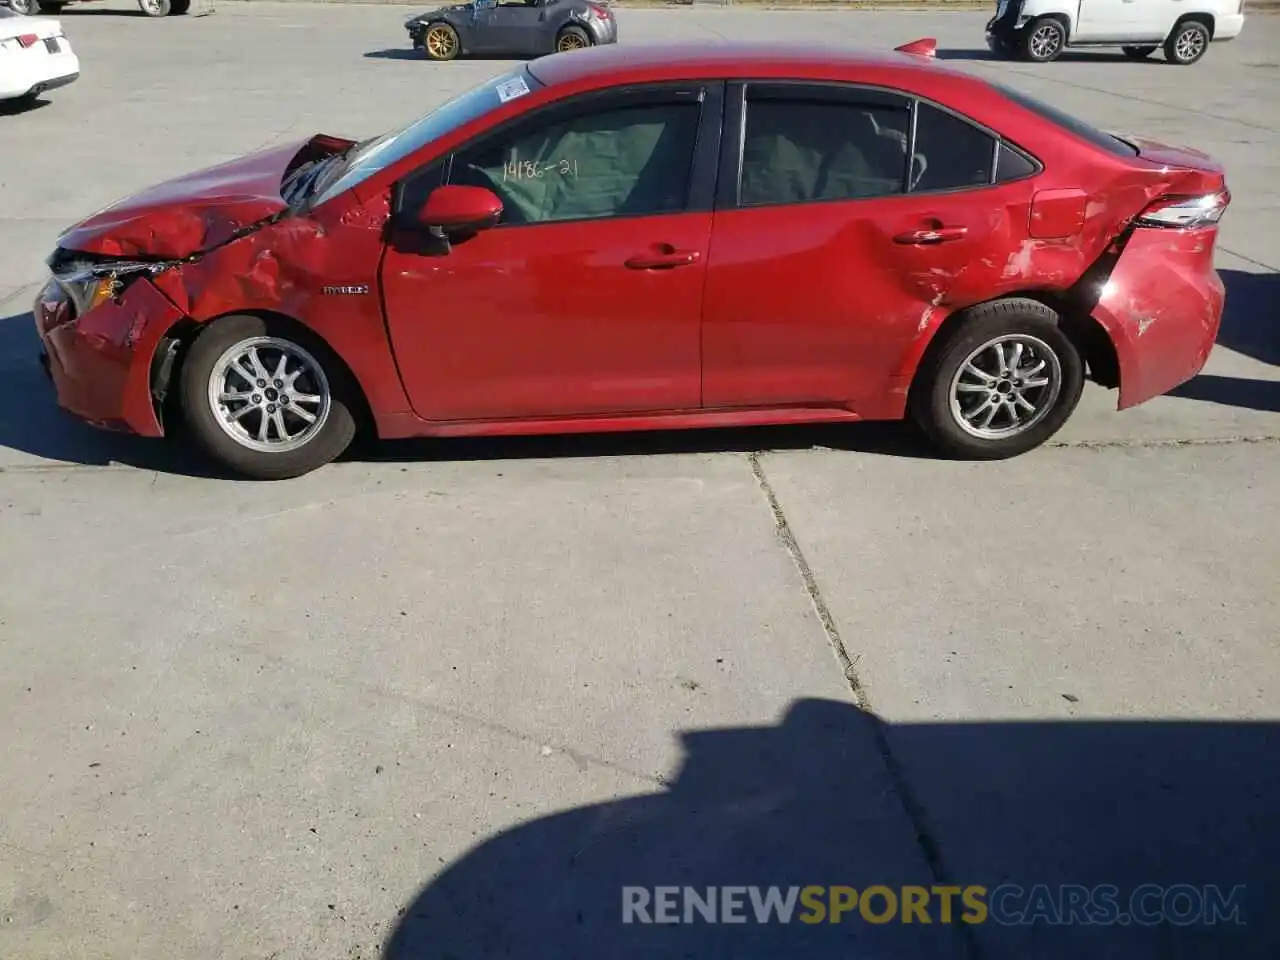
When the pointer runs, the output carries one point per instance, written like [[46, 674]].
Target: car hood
[[439, 12], [190, 214]]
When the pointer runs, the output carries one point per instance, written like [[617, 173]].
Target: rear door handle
[[931, 235], [663, 256]]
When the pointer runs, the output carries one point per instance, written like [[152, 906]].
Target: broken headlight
[[88, 285]]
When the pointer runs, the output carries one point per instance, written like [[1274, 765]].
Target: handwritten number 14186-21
[[536, 169]]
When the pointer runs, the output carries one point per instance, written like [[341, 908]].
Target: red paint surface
[[459, 206], [548, 321], [782, 314]]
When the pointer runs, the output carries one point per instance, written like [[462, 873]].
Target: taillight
[[27, 40], [601, 12], [1184, 212]]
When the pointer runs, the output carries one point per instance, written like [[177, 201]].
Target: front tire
[[265, 399], [1044, 40], [26, 8], [156, 8], [1000, 383], [1187, 44], [441, 42]]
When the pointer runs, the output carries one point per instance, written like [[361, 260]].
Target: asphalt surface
[[451, 696]]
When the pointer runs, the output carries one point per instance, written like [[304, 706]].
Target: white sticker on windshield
[[510, 89]]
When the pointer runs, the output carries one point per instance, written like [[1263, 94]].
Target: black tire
[[1188, 42], [572, 38], [325, 444], [26, 8], [1138, 53], [156, 8], [179, 8], [441, 53], [1044, 40], [51, 8], [1037, 327]]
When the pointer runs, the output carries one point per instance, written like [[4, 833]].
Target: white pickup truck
[[1039, 30]]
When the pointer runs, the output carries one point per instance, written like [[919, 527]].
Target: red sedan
[[650, 237]]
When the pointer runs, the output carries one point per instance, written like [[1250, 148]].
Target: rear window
[[1081, 129]]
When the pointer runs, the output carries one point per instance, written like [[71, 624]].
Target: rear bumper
[[25, 82], [100, 363], [603, 31], [1163, 308]]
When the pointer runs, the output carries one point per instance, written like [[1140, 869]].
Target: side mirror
[[459, 209]]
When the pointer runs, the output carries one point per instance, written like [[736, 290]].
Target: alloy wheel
[[1189, 45], [1046, 41], [269, 394], [570, 41], [1005, 387], [440, 42]]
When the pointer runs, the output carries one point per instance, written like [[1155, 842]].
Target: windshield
[[381, 152]]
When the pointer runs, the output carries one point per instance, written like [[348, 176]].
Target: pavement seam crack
[[900, 785], [784, 532], [1156, 444], [1256, 263]]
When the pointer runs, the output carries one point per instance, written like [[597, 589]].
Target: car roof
[[605, 65]]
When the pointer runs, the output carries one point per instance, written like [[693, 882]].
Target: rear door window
[[950, 153], [804, 144]]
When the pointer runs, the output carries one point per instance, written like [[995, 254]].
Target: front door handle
[[930, 235], [663, 256]]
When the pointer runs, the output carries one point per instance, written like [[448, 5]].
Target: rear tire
[[1187, 44], [572, 38], [1044, 40], [297, 389], [156, 8], [51, 8], [179, 8], [26, 8], [1009, 358], [1138, 53]]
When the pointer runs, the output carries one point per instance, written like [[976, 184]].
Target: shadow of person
[[813, 801], [808, 801]]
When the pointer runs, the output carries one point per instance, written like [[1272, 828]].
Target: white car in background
[[35, 56], [1039, 30]]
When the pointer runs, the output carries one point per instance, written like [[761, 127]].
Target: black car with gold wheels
[[512, 28]]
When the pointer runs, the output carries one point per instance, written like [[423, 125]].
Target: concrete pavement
[[443, 694]]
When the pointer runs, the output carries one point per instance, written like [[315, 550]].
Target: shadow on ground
[[1007, 806], [1251, 327], [408, 53], [32, 423], [1067, 56], [18, 105]]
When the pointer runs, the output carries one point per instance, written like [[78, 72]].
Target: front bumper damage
[[100, 361]]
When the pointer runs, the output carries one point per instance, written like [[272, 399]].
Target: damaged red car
[[650, 237]]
